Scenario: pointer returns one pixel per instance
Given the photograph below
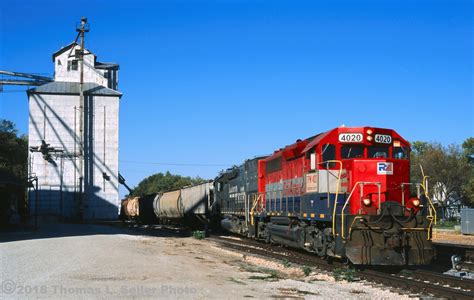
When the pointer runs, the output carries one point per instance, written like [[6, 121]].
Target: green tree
[[447, 167], [468, 189], [13, 151], [164, 182]]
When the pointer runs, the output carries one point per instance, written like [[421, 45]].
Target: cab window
[[378, 152], [351, 151], [311, 155], [274, 165], [400, 152], [328, 152]]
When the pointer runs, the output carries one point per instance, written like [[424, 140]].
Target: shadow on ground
[[48, 230]]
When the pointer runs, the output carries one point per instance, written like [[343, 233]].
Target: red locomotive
[[343, 193]]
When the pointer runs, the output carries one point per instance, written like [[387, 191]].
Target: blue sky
[[215, 82]]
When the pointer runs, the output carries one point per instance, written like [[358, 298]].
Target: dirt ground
[[452, 237], [103, 262]]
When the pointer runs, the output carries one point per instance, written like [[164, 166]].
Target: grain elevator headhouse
[[73, 136]]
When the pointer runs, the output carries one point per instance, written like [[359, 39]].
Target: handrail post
[[327, 184], [380, 200], [403, 193]]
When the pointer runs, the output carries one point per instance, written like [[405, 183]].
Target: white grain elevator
[[73, 142]]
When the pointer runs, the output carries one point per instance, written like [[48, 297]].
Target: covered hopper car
[[189, 204]]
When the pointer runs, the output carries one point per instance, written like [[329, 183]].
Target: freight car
[[190, 205], [138, 209], [343, 193]]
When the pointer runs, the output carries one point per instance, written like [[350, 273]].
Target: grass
[[270, 274], [446, 224]]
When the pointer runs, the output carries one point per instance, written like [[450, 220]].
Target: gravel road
[[81, 261]]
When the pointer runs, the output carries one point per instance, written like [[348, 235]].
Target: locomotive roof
[[302, 146]]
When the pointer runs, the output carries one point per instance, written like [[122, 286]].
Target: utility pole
[[81, 29]]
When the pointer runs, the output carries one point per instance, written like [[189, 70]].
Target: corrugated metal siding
[[195, 199], [467, 221]]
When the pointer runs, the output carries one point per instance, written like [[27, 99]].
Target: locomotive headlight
[[456, 259], [367, 201], [369, 131], [369, 138], [416, 202]]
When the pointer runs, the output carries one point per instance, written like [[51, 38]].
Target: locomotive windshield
[[351, 151], [378, 152], [400, 152]]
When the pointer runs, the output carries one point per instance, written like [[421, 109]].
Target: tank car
[[343, 193]]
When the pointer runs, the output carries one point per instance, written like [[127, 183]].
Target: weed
[[306, 270], [286, 263], [232, 279], [345, 274], [357, 292], [198, 234], [270, 274], [259, 277], [273, 274], [301, 292]]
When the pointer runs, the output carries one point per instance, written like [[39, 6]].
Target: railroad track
[[418, 281]]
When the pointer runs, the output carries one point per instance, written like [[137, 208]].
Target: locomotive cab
[[346, 193]]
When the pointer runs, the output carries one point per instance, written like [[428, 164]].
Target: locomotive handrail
[[432, 217], [255, 202], [402, 186], [337, 192], [358, 184]]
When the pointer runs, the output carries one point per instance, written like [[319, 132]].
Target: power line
[[13, 91], [173, 164]]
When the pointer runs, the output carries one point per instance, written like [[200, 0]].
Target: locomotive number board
[[383, 139], [351, 138]]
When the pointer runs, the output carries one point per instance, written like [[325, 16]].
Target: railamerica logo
[[385, 168]]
